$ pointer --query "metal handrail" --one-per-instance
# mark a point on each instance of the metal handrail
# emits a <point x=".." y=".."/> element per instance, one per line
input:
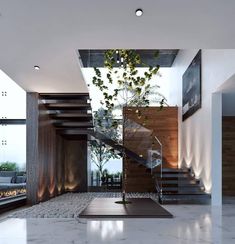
<point x="159" y="188"/>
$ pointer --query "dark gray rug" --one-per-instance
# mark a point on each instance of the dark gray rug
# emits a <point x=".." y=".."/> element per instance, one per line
<point x="137" y="208"/>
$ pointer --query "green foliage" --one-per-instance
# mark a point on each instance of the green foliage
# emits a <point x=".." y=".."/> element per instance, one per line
<point x="135" y="89"/>
<point x="100" y="152"/>
<point x="117" y="175"/>
<point x="8" y="166"/>
<point x="105" y="122"/>
<point x="105" y="173"/>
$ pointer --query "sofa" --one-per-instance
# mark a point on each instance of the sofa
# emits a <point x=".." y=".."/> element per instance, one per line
<point x="11" y="184"/>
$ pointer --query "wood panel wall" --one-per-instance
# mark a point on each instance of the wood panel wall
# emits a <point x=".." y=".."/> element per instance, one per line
<point x="55" y="165"/>
<point x="76" y="165"/>
<point x="164" y="124"/>
<point x="228" y="156"/>
<point x="138" y="177"/>
<point x="44" y="160"/>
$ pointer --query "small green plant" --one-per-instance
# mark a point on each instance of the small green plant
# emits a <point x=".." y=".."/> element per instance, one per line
<point x="8" y="166"/>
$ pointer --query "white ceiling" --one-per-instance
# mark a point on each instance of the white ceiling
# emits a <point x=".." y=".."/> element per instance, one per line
<point x="48" y="33"/>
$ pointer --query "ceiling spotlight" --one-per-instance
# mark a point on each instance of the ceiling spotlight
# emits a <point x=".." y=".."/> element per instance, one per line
<point x="36" y="67"/>
<point x="139" y="12"/>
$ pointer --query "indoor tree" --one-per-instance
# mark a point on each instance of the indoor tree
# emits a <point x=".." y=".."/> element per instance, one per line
<point x="123" y="85"/>
<point x="130" y="86"/>
<point x="100" y="152"/>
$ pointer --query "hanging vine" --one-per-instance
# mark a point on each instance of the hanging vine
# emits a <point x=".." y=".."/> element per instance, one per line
<point x="133" y="88"/>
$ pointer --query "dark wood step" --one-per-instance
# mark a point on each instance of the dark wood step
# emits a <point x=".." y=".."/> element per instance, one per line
<point x="73" y="124"/>
<point x="67" y="101"/>
<point x="64" y="96"/>
<point x="182" y="179"/>
<point x="74" y="120"/>
<point x="185" y="194"/>
<point x="188" y="200"/>
<point x="174" y="171"/>
<point x="68" y="106"/>
<point x="72" y="131"/>
<point x="173" y="198"/>
<point x="172" y="190"/>
<point x="181" y="182"/>
<point x="183" y="187"/>
<point x="72" y="117"/>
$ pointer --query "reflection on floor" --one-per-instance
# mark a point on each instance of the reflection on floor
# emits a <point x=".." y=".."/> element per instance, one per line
<point x="191" y="224"/>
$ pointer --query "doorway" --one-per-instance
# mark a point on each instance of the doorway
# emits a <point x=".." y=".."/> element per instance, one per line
<point x="228" y="146"/>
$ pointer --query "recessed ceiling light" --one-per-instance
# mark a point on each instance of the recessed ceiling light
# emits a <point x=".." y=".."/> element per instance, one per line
<point x="139" y="12"/>
<point x="36" y="67"/>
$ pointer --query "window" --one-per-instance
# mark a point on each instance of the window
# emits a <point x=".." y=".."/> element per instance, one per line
<point x="12" y="139"/>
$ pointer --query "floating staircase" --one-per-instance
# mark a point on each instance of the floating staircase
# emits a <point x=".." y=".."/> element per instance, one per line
<point x="132" y="155"/>
<point x="180" y="186"/>
<point x="70" y="113"/>
<point x="176" y="185"/>
<point x="173" y="185"/>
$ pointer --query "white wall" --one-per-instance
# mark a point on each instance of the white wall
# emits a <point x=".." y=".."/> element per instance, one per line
<point x="195" y="134"/>
<point x="216" y="148"/>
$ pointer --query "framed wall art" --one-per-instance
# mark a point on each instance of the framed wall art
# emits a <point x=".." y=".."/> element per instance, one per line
<point x="192" y="88"/>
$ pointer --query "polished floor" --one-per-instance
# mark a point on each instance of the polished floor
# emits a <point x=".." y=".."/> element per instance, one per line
<point x="191" y="224"/>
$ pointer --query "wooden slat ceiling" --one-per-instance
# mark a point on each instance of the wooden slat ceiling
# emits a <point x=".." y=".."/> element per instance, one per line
<point x="95" y="58"/>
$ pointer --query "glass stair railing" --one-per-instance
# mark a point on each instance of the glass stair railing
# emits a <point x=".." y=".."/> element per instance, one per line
<point x="137" y="143"/>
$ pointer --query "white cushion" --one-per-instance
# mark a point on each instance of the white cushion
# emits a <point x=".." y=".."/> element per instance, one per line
<point x="5" y="179"/>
